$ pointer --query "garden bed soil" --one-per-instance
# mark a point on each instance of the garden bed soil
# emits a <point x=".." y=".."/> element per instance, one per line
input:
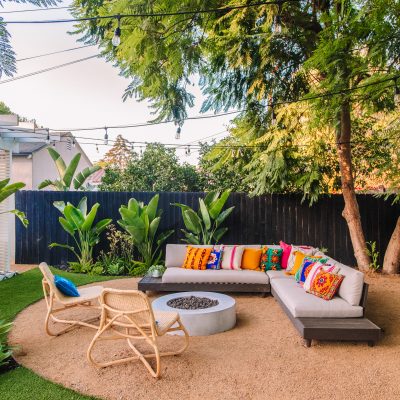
<point x="261" y="358"/>
<point x="9" y="366"/>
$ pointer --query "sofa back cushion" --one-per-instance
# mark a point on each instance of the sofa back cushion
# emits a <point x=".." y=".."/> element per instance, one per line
<point x="352" y="286"/>
<point x="175" y="254"/>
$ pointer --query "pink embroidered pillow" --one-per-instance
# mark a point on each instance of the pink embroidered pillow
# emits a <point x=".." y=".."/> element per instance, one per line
<point x="286" y="253"/>
<point x="232" y="257"/>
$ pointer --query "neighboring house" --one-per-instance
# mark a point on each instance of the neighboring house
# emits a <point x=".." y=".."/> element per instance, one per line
<point x="24" y="158"/>
<point x="33" y="164"/>
<point x="94" y="181"/>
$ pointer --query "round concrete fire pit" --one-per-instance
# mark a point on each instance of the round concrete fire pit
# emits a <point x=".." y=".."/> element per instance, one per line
<point x="202" y="313"/>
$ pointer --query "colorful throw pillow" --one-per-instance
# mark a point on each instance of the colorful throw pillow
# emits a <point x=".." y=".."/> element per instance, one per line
<point x="271" y="259"/>
<point x="286" y="249"/>
<point x="307" y="260"/>
<point x="196" y="258"/>
<point x="251" y="259"/>
<point x="325" y="285"/>
<point x="298" y="260"/>
<point x="65" y="286"/>
<point x="315" y="269"/>
<point x="232" y="257"/>
<point x="307" y="250"/>
<point x="214" y="262"/>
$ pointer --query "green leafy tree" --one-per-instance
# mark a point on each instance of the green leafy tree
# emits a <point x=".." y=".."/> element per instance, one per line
<point x="4" y="109"/>
<point x="253" y="57"/>
<point x="142" y="222"/>
<point x="7" y="54"/>
<point x="78" y="223"/>
<point x="204" y="227"/>
<point x="67" y="173"/>
<point x="157" y="169"/>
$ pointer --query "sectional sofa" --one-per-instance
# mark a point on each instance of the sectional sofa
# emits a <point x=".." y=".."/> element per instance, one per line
<point x="342" y="318"/>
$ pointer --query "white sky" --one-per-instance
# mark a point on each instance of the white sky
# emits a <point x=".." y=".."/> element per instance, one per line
<point x="85" y="94"/>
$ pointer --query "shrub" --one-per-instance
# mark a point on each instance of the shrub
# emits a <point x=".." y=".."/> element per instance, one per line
<point x="5" y="349"/>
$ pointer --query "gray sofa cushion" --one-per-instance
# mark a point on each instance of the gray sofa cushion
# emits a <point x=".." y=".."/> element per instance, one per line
<point x="352" y="285"/>
<point x="279" y="275"/>
<point x="303" y="304"/>
<point x="182" y="275"/>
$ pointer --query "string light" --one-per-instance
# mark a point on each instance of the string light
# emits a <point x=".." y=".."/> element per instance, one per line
<point x="97" y="148"/>
<point x="277" y="27"/>
<point x="73" y="142"/>
<point x="273" y="119"/>
<point x="116" y="40"/>
<point x="187" y="151"/>
<point x="106" y="136"/>
<point x="178" y="133"/>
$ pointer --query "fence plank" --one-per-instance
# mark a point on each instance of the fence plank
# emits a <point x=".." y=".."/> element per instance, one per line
<point x="256" y="220"/>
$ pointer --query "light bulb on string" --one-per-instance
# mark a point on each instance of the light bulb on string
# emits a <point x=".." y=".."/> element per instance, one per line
<point x="187" y="151"/>
<point x="178" y="133"/>
<point x="73" y="142"/>
<point x="97" y="148"/>
<point x="277" y="27"/>
<point x="116" y="40"/>
<point x="48" y="137"/>
<point x="106" y="136"/>
<point x="54" y="144"/>
<point x="273" y="118"/>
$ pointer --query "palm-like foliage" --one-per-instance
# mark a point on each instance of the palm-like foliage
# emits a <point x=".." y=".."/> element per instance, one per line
<point x="67" y="173"/>
<point x="141" y="222"/>
<point x="7" y="54"/>
<point x="78" y="223"/>
<point x="7" y="190"/>
<point x="204" y="227"/>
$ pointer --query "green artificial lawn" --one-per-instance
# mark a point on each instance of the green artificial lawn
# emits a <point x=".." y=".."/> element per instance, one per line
<point x="15" y="295"/>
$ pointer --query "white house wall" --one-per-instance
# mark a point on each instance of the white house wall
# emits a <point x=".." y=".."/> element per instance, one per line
<point x="22" y="170"/>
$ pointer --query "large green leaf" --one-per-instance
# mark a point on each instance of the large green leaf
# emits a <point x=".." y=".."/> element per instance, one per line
<point x="67" y="226"/>
<point x="223" y="216"/>
<point x="162" y="237"/>
<point x="219" y="233"/>
<point x="190" y="237"/>
<point x="152" y="207"/>
<point x="74" y="216"/>
<point x="218" y="205"/>
<point x="58" y="160"/>
<point x="133" y="206"/>
<point x="9" y="190"/>
<point x="210" y="198"/>
<point x="21" y="216"/>
<point x="60" y="205"/>
<point x="64" y="246"/>
<point x="101" y="225"/>
<point x="83" y="206"/>
<point x="137" y="232"/>
<point x="192" y="221"/>
<point x="81" y="177"/>
<point x="154" y="226"/>
<point x="88" y="222"/>
<point x="128" y="216"/>
<point x="4" y="183"/>
<point x="204" y="214"/>
<point x="70" y="171"/>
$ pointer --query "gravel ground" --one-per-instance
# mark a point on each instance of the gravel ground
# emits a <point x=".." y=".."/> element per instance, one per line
<point x="261" y="358"/>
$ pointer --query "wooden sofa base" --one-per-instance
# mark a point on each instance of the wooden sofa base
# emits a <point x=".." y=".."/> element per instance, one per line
<point x="338" y="329"/>
<point x="149" y="283"/>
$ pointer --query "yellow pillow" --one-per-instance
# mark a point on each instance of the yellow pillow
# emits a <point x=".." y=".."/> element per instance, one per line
<point x="298" y="260"/>
<point x="196" y="258"/>
<point x="251" y="259"/>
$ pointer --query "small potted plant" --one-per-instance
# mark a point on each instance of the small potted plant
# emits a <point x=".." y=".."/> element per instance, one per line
<point x="156" y="271"/>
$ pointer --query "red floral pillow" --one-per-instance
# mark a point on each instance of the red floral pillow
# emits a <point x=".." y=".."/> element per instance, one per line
<point x="325" y="285"/>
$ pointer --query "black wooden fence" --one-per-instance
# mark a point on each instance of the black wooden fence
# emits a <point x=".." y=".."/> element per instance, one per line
<point x="255" y="220"/>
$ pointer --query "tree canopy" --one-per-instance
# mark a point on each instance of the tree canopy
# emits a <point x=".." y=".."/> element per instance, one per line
<point x="156" y="169"/>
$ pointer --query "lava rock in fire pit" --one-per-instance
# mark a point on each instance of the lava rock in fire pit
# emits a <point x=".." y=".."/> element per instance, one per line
<point x="192" y="303"/>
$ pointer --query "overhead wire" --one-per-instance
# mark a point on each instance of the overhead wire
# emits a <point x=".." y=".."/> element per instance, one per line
<point x="54" y="52"/>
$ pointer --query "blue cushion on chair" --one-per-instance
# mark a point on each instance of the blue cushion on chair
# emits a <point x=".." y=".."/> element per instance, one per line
<point x="65" y="286"/>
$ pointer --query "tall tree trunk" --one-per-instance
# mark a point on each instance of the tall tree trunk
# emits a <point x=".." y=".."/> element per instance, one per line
<point x="391" y="262"/>
<point x="351" y="211"/>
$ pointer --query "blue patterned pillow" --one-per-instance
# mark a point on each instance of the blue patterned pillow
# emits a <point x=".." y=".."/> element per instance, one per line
<point x="214" y="262"/>
<point x="65" y="286"/>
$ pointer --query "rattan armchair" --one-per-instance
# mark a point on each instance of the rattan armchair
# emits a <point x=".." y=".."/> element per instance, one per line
<point x="57" y="302"/>
<point x="127" y="314"/>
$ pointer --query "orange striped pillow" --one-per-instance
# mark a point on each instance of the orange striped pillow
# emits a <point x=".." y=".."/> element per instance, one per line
<point x="196" y="258"/>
